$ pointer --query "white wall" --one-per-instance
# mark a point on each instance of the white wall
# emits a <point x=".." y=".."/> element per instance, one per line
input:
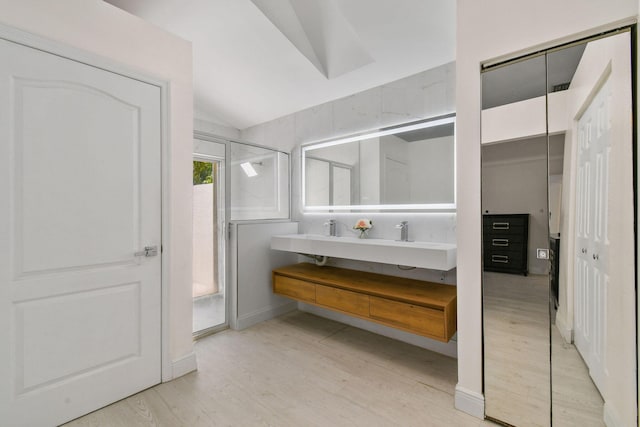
<point x="252" y="261"/>
<point x="204" y="262"/>
<point x="101" y="29"/>
<point x="488" y="30"/>
<point x="216" y="129"/>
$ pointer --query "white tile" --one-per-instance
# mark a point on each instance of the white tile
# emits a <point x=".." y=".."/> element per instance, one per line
<point x="315" y="123"/>
<point x="357" y="113"/>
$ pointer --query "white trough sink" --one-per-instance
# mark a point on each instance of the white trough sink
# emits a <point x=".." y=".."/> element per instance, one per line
<point x="435" y="256"/>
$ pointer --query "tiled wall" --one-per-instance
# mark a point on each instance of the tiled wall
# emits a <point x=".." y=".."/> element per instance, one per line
<point x="426" y="94"/>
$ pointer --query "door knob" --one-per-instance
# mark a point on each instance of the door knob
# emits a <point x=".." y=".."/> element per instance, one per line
<point x="596" y="257"/>
<point x="148" y="251"/>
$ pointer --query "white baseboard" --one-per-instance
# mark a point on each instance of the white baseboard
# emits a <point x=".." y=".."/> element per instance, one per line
<point x="184" y="365"/>
<point x="565" y="331"/>
<point x="611" y="418"/>
<point x="449" y="349"/>
<point x="469" y="402"/>
<point x="251" y="319"/>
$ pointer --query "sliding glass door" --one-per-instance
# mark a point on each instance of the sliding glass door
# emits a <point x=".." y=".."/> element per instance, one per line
<point x="209" y="288"/>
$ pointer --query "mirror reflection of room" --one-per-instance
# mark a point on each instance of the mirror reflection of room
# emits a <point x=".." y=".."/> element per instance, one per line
<point x="557" y="156"/>
<point x="412" y="164"/>
<point x="514" y="207"/>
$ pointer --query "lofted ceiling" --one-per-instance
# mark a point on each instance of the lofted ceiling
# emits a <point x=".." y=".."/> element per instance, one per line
<point x="257" y="60"/>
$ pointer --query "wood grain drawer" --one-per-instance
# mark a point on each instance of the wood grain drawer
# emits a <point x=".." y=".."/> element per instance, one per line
<point x="423" y="320"/>
<point x="340" y="299"/>
<point x="420" y="307"/>
<point x="294" y="288"/>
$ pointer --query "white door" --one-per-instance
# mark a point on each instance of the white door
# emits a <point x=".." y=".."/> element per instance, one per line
<point x="80" y="191"/>
<point x="395" y="183"/>
<point x="592" y="240"/>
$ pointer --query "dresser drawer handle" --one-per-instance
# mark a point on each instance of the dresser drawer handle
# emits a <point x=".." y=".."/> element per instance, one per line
<point x="500" y="225"/>
<point x="500" y="242"/>
<point x="500" y="258"/>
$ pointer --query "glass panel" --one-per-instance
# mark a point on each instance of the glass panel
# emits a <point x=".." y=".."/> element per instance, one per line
<point x="259" y="183"/>
<point x="208" y="275"/>
<point x="515" y="224"/>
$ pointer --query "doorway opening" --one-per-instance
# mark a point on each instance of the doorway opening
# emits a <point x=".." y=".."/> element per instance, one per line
<point x="209" y="290"/>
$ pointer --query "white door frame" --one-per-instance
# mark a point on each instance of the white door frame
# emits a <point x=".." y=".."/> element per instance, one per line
<point x="60" y="49"/>
<point x="226" y="177"/>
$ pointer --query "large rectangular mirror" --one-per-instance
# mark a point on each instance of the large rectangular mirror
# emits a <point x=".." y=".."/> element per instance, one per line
<point x="411" y="166"/>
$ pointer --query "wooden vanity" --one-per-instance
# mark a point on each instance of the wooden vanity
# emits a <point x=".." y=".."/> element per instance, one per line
<point x="416" y="306"/>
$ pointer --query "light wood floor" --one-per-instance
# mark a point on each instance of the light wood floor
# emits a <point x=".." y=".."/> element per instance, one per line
<point x="517" y="357"/>
<point x="299" y="370"/>
<point x="517" y="349"/>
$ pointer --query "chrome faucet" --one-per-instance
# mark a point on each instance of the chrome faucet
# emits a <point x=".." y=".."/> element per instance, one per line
<point x="404" y="231"/>
<point x="332" y="227"/>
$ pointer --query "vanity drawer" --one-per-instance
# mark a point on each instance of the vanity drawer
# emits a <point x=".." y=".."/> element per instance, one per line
<point x="423" y="320"/>
<point x="294" y="288"/>
<point x="340" y="299"/>
<point x="416" y="306"/>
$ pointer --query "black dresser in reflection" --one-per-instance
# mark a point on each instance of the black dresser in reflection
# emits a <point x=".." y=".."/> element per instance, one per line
<point x="505" y="242"/>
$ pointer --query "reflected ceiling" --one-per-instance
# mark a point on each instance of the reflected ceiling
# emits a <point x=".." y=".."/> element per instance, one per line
<point x="526" y="79"/>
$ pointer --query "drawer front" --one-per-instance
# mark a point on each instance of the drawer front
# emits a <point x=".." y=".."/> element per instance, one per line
<point x="506" y="222"/>
<point x="507" y="260"/>
<point x="503" y="243"/>
<point x="508" y="231"/>
<point x="422" y="320"/>
<point x="294" y="288"/>
<point x="350" y="302"/>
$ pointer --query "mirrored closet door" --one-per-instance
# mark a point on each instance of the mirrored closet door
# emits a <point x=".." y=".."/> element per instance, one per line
<point x="558" y="237"/>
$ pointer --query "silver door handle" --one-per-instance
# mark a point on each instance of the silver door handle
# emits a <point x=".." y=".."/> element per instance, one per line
<point x="500" y="242"/>
<point x="148" y="251"/>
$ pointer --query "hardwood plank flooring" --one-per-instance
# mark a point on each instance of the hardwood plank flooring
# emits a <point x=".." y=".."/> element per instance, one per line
<point x="517" y="353"/>
<point x="517" y="349"/>
<point x="299" y="370"/>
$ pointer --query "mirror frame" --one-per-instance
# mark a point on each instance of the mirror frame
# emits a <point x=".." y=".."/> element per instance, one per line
<point x="404" y="127"/>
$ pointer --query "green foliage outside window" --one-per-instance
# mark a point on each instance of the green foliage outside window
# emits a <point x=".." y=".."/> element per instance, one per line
<point x="202" y="173"/>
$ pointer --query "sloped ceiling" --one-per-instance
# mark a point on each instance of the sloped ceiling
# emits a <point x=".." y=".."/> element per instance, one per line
<point x="257" y="60"/>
